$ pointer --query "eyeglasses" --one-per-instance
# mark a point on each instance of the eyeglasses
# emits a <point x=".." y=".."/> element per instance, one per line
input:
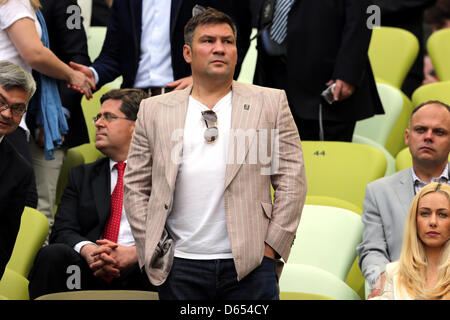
<point x="211" y="133"/>
<point x="108" y="117"/>
<point x="17" y="110"/>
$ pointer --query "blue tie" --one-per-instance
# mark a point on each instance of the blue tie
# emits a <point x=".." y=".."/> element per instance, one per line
<point x="278" y="31"/>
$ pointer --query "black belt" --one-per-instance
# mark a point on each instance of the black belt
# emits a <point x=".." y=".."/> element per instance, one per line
<point x="156" y="91"/>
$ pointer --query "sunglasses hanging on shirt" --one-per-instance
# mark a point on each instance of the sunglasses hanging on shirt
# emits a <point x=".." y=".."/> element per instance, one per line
<point x="212" y="132"/>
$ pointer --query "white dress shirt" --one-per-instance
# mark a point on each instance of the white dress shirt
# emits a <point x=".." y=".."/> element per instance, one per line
<point x="155" y="61"/>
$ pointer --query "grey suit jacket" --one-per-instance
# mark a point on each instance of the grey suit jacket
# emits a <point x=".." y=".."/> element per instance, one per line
<point x="252" y="220"/>
<point x="386" y="206"/>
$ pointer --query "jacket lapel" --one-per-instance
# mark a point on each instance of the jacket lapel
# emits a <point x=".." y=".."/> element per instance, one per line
<point x="101" y="186"/>
<point x="172" y="131"/>
<point x="405" y="190"/>
<point x="5" y="154"/>
<point x="245" y="114"/>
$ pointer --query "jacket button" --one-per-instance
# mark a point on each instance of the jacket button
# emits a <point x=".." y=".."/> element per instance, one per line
<point x="166" y="206"/>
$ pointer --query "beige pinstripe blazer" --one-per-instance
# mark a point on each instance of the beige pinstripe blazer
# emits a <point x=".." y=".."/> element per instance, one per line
<point x="251" y="218"/>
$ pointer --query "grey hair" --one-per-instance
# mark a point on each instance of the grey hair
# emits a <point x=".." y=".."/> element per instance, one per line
<point x="13" y="76"/>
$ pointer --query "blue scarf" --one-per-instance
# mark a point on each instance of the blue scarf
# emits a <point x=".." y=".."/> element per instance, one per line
<point x="47" y="104"/>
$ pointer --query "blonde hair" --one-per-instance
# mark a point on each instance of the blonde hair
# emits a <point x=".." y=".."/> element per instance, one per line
<point x="413" y="261"/>
<point x="34" y="3"/>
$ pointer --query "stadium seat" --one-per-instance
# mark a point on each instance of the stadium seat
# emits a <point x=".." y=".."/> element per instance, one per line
<point x="341" y="169"/>
<point x="327" y="238"/>
<point x="248" y="65"/>
<point x="392" y="52"/>
<point x="14" y="286"/>
<point x="433" y="91"/>
<point x="101" y="295"/>
<point x="308" y="279"/>
<point x="333" y="202"/>
<point x="73" y="158"/>
<point x="438" y="46"/>
<point x="379" y="127"/>
<point x="396" y="140"/>
<point x="33" y="231"/>
<point x="390" y="167"/>
<point x="90" y="109"/>
<point x="289" y="295"/>
<point x="403" y="160"/>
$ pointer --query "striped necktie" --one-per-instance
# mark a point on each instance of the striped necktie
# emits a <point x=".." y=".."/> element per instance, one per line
<point x="278" y="31"/>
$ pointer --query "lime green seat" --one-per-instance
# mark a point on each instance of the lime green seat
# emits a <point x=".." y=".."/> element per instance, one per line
<point x="433" y="91"/>
<point x="327" y="238"/>
<point x="290" y="295"/>
<point x="90" y="109"/>
<point x="438" y="46"/>
<point x="89" y="152"/>
<point x="248" y="65"/>
<point x="73" y="158"/>
<point x="378" y="127"/>
<point x="390" y="167"/>
<point x="13" y="286"/>
<point x="341" y="169"/>
<point x="312" y="280"/>
<point x="101" y="295"/>
<point x="403" y="160"/>
<point x="95" y="37"/>
<point x="392" y="52"/>
<point x="333" y="202"/>
<point x="396" y="140"/>
<point x="33" y="231"/>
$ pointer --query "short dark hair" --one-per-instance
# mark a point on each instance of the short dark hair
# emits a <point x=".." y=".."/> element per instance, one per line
<point x="208" y="16"/>
<point x="131" y="99"/>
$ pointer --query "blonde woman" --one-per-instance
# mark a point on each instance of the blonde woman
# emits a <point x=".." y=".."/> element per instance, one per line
<point x="423" y="270"/>
<point x="20" y="43"/>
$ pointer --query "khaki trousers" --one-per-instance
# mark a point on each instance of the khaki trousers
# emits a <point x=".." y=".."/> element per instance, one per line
<point x="47" y="174"/>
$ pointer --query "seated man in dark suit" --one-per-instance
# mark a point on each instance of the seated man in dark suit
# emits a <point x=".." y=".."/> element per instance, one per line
<point x="91" y="245"/>
<point x="16" y="88"/>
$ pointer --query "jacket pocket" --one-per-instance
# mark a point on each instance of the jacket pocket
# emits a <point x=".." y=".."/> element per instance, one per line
<point x="267" y="208"/>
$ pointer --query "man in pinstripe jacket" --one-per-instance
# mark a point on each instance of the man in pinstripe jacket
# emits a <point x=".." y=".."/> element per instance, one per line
<point x="197" y="182"/>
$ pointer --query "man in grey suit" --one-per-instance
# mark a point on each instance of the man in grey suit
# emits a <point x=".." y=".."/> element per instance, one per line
<point x="387" y="200"/>
<point x="190" y="173"/>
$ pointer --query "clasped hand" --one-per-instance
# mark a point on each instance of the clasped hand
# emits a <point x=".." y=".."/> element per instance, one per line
<point x="108" y="259"/>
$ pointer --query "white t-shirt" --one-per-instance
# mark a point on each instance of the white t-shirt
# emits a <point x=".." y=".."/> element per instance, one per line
<point x="10" y="12"/>
<point x="197" y="220"/>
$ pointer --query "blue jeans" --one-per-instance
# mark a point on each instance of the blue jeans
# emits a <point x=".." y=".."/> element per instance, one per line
<point x="217" y="280"/>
